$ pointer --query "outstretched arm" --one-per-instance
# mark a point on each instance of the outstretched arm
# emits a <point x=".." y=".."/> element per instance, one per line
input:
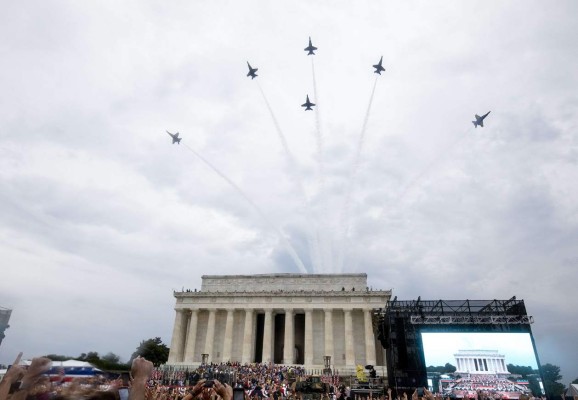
<point x="12" y="375"/>
<point x="141" y="371"/>
<point x="31" y="376"/>
<point x="223" y="390"/>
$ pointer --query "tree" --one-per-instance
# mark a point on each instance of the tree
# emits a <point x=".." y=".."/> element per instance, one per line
<point x="108" y="362"/>
<point x="445" y="369"/>
<point x="551" y="374"/>
<point x="90" y="357"/>
<point x="57" y="357"/>
<point x="153" y="350"/>
<point x="449" y="368"/>
<point x="521" y="370"/>
<point x="111" y="358"/>
<point x="534" y="385"/>
<point x="575" y="381"/>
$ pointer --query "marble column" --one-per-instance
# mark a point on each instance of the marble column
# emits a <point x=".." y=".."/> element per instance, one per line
<point x="289" y="342"/>
<point x="329" y="334"/>
<point x="210" y="337"/>
<point x="369" y="338"/>
<point x="228" y="344"/>
<point x="192" y="337"/>
<point x="268" y="337"/>
<point x="178" y="340"/>
<point x="349" y="349"/>
<point x="248" y="337"/>
<point x="308" y="337"/>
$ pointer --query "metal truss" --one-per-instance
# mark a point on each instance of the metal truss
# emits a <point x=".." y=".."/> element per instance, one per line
<point x="471" y="319"/>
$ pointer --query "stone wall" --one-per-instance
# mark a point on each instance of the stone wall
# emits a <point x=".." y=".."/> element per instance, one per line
<point x="285" y="282"/>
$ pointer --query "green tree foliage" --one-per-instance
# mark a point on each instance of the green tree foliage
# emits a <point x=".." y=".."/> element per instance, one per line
<point x="534" y="385"/>
<point x="528" y="373"/>
<point x="445" y="369"/>
<point x="109" y="362"/>
<point x="111" y="358"/>
<point x="91" y="357"/>
<point x="153" y="350"/>
<point x="521" y="370"/>
<point x="551" y="374"/>
<point x="57" y="357"/>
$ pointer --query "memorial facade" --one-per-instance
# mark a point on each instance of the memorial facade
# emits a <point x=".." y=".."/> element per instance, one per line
<point x="481" y="362"/>
<point x="291" y="319"/>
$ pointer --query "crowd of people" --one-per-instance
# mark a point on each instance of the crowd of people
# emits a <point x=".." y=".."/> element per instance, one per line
<point x="207" y="382"/>
<point x="486" y="387"/>
<point x="224" y="381"/>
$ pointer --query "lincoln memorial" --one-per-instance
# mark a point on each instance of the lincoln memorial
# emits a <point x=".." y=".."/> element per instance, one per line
<point x="291" y="319"/>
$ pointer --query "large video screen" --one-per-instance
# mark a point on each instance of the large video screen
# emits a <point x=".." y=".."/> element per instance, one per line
<point x="465" y="363"/>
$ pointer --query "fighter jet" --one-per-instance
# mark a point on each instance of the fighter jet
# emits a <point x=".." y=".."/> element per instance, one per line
<point x="378" y="67"/>
<point x="252" y="71"/>
<point x="308" y="104"/>
<point x="175" y="136"/>
<point x="310" y="48"/>
<point x="480" y="120"/>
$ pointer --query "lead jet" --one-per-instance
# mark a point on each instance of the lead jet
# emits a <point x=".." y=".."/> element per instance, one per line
<point x="480" y="120"/>
<point x="252" y="71"/>
<point x="310" y="48"/>
<point x="378" y="67"/>
<point x="308" y="104"/>
<point x="175" y="136"/>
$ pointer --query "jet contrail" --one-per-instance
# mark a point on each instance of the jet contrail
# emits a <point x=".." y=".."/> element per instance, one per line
<point x="319" y="136"/>
<point x="320" y="231"/>
<point x="357" y="160"/>
<point x="439" y="159"/>
<point x="311" y="239"/>
<point x="288" y="153"/>
<point x="296" y="259"/>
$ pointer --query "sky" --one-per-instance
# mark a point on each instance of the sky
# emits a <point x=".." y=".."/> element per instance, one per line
<point x="102" y="217"/>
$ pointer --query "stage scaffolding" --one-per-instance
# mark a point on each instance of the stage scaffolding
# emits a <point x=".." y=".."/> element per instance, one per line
<point x="400" y="323"/>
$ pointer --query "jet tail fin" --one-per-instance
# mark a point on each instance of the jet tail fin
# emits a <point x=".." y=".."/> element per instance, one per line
<point x="475" y="124"/>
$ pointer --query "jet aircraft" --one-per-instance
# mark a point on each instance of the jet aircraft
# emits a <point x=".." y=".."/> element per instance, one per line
<point x="175" y="136"/>
<point x="308" y="104"/>
<point x="310" y="48"/>
<point x="378" y="67"/>
<point x="480" y="120"/>
<point x="252" y="71"/>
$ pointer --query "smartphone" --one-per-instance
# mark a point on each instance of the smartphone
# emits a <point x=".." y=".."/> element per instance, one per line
<point x="419" y="392"/>
<point x="123" y="393"/>
<point x="209" y="383"/>
<point x="125" y="378"/>
<point x="238" y="394"/>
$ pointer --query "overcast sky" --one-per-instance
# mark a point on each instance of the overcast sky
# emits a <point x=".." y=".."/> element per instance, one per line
<point x="102" y="217"/>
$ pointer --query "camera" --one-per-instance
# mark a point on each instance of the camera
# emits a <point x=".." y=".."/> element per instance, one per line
<point x="209" y="383"/>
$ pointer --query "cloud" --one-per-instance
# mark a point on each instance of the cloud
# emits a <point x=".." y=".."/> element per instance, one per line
<point x="104" y="217"/>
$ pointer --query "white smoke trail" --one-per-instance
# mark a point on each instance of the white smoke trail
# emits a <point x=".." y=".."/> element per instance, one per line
<point x="345" y="213"/>
<point x="319" y="135"/>
<point x="311" y="236"/>
<point x="288" y="154"/>
<point x="296" y="259"/>
<point x="429" y="167"/>
<point x="324" y="258"/>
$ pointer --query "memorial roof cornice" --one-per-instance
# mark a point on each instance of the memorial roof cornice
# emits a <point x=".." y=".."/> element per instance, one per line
<point x="284" y="293"/>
